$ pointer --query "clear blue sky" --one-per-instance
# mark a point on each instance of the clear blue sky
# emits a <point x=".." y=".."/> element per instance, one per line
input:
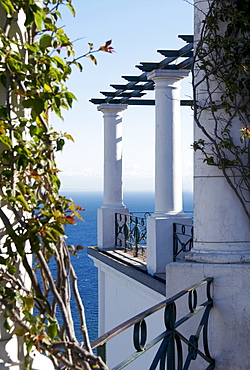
<point x="137" y="29"/>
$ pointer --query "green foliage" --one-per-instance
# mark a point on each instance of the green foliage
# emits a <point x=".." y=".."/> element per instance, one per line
<point x="222" y="71"/>
<point x="34" y="69"/>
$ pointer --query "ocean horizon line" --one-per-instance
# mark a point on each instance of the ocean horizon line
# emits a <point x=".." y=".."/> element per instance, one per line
<point x="67" y="190"/>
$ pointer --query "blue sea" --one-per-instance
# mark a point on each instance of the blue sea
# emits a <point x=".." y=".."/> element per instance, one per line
<point x="85" y="234"/>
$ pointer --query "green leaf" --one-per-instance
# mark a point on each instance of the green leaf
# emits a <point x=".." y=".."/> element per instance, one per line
<point x="56" y="181"/>
<point x="69" y="137"/>
<point x="79" y="66"/>
<point x="59" y="229"/>
<point x="71" y="8"/>
<point x="59" y="62"/>
<point x="60" y="31"/>
<point x="38" y="19"/>
<point x="52" y="330"/>
<point x="28" y="103"/>
<point x="9" y="8"/>
<point x="6" y="140"/>
<point x="3" y="261"/>
<point x="14" y="65"/>
<point x="77" y="214"/>
<point x="21" y="187"/>
<point x="3" y="112"/>
<point x="69" y="97"/>
<point x="29" y="18"/>
<point x="93" y="59"/>
<point x="59" y="144"/>
<point x="29" y="346"/>
<point x="23" y="121"/>
<point x="22" y="201"/>
<point x="47" y="88"/>
<point x="46" y="341"/>
<point x="38" y="105"/>
<point x="7" y="324"/>
<point x="28" y="303"/>
<point x="12" y="269"/>
<point x="33" y="47"/>
<point x="56" y="13"/>
<point x="33" y="130"/>
<point x="45" y="40"/>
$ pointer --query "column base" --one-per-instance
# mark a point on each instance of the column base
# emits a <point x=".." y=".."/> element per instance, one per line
<point x="215" y="256"/>
<point x="160" y="240"/>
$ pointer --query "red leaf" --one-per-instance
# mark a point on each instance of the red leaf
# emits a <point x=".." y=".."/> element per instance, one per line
<point x="65" y="44"/>
<point x="71" y="220"/>
<point x="107" y="48"/>
<point x="108" y="43"/>
<point x="79" y="208"/>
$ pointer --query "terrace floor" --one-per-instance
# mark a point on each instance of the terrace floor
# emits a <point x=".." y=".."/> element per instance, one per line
<point x="134" y="267"/>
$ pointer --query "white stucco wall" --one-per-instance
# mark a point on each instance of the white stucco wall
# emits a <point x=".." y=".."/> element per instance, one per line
<point x="229" y="324"/>
<point x="120" y="298"/>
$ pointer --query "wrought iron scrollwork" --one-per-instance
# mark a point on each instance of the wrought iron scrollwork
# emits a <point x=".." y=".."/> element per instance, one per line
<point x="182" y="240"/>
<point x="170" y="354"/>
<point x="140" y="335"/>
<point x="131" y="232"/>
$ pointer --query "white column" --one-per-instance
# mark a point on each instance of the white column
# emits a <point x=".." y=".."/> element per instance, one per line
<point x="168" y="168"/>
<point x="113" y="196"/>
<point x="221" y="227"/>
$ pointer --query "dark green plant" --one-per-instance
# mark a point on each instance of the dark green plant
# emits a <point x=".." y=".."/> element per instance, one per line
<point x="36" y="59"/>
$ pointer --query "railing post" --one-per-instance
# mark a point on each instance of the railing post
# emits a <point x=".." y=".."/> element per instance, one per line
<point x="101" y="351"/>
<point x="136" y="237"/>
<point x="170" y="318"/>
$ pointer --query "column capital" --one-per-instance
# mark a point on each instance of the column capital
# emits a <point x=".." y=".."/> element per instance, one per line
<point x="169" y="75"/>
<point x="111" y="108"/>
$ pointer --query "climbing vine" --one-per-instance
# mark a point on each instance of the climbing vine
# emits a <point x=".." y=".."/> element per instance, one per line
<point x="221" y="90"/>
<point x="36" y="60"/>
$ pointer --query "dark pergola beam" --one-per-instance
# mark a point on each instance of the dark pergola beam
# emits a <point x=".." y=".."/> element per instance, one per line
<point x="148" y="66"/>
<point x="175" y="53"/>
<point x="187" y="103"/>
<point x="183" y="103"/>
<point x="135" y="87"/>
<point x="187" y="38"/>
<point x="120" y="101"/>
<point x="169" y="53"/>
<point x="136" y="78"/>
<point x="123" y="94"/>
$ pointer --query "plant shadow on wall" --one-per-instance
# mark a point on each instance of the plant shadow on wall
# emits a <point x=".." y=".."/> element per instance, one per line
<point x="221" y="91"/>
<point x="36" y="58"/>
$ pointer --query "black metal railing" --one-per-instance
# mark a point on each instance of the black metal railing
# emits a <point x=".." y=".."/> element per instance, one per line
<point x="182" y="240"/>
<point x="131" y="232"/>
<point x="170" y="354"/>
<point x="131" y="235"/>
